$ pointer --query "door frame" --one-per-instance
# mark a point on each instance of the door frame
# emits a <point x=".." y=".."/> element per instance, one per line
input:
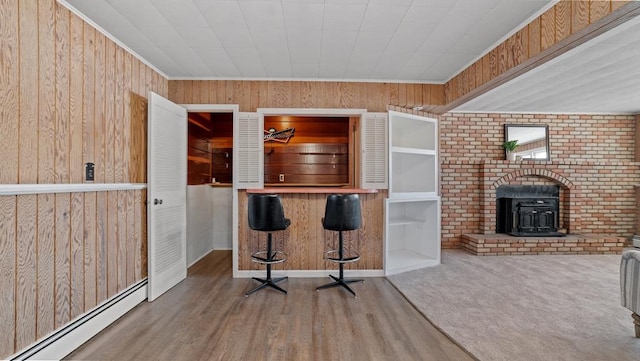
<point x="223" y="108"/>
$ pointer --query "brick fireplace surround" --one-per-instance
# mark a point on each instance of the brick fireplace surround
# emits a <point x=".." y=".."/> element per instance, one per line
<point x="592" y="160"/>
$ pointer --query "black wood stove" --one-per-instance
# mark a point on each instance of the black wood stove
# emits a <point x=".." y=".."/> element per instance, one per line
<point x="528" y="210"/>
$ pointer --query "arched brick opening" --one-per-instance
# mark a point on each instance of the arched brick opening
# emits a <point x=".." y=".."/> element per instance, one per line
<point x="569" y="196"/>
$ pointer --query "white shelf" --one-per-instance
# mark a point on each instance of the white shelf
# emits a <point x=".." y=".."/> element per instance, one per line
<point x="407" y="150"/>
<point x="400" y="221"/>
<point x="405" y="260"/>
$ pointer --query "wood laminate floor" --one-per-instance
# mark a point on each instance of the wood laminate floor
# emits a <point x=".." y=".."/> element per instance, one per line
<point x="207" y="317"/>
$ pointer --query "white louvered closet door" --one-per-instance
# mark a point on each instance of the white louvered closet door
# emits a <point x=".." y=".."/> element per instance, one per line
<point x="166" y="195"/>
<point x="374" y="151"/>
<point x="248" y="151"/>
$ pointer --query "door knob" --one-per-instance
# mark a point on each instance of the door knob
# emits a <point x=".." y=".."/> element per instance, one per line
<point x="157" y="201"/>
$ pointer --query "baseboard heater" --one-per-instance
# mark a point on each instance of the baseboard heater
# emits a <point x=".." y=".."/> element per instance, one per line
<point x="65" y="340"/>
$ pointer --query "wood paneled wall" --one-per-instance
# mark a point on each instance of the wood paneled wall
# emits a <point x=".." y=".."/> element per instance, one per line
<point x="68" y="95"/>
<point x="251" y="95"/>
<point x="558" y="23"/>
<point x="305" y="241"/>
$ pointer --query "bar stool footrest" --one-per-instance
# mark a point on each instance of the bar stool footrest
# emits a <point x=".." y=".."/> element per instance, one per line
<point x="333" y="256"/>
<point x="262" y="257"/>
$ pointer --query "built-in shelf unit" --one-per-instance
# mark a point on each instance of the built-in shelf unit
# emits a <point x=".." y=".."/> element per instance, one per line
<point x="412" y="224"/>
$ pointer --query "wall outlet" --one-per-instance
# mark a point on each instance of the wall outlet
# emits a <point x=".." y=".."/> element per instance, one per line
<point x="281" y="177"/>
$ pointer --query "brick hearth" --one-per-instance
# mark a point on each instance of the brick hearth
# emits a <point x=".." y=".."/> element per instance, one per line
<point x="504" y="244"/>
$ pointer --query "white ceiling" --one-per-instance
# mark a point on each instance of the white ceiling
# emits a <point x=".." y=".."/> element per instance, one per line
<point x="373" y="40"/>
<point x="600" y="76"/>
<point x="422" y="41"/>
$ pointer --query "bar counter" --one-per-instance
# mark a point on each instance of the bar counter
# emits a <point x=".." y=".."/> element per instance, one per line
<point x="311" y="190"/>
<point x="305" y="241"/>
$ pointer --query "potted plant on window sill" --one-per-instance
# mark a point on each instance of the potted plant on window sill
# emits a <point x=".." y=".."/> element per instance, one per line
<point x="510" y="147"/>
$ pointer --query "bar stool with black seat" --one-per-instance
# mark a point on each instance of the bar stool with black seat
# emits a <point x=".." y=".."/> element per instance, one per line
<point x="266" y="214"/>
<point x="342" y="213"/>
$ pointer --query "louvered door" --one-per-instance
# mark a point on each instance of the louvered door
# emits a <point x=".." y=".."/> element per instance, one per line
<point x="248" y="151"/>
<point x="374" y="151"/>
<point x="167" y="195"/>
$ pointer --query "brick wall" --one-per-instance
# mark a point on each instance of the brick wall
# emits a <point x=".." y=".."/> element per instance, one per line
<point x="594" y="153"/>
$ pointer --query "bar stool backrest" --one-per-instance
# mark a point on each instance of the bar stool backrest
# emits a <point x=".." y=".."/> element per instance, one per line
<point x="266" y="213"/>
<point x="342" y="212"/>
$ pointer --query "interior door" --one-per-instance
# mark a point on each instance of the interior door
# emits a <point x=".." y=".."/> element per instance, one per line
<point x="166" y="195"/>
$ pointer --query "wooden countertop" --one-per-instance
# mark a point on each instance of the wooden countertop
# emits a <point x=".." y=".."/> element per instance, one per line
<point x="314" y="190"/>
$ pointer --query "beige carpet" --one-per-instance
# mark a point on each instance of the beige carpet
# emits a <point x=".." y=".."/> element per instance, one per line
<point x="526" y="307"/>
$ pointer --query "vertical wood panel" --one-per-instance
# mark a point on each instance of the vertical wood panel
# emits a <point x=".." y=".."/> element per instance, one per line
<point x="112" y="243"/>
<point x="563" y="20"/>
<point x="143" y="233"/>
<point x="486" y="70"/>
<point x="101" y="247"/>
<point x="62" y="260"/>
<point x="437" y="94"/>
<point x="296" y="100"/>
<point x="409" y="96"/>
<point x="90" y="251"/>
<point x="502" y="58"/>
<point x="138" y="222"/>
<point x="125" y="129"/>
<point x="62" y="96"/>
<point x="148" y="80"/>
<point x="402" y="94"/>
<point x="75" y="100"/>
<point x="519" y="47"/>
<point x="88" y="101"/>
<point x="535" y="40"/>
<point x="598" y="10"/>
<point x="9" y="85"/>
<point x="478" y="73"/>
<point x="204" y="92"/>
<point x="119" y="117"/>
<point x="393" y="93"/>
<point x="121" y="228"/>
<point x="242" y="91"/>
<point x="26" y="271"/>
<point x="28" y="52"/>
<point x="213" y="91"/>
<point x="547" y="28"/>
<point x="99" y="108"/>
<point x="306" y="95"/>
<point x="46" y="91"/>
<point x="130" y="237"/>
<point x="45" y="264"/>
<point x="176" y="91"/>
<point x="77" y="254"/>
<point x="135" y="77"/>
<point x="7" y="272"/>
<point x="579" y="15"/>
<point x="110" y="108"/>
<point x="188" y="91"/>
<point x="138" y="130"/>
<point x="493" y="63"/>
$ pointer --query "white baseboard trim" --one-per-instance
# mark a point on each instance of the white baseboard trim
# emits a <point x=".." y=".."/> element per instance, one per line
<point x="311" y="273"/>
<point x="65" y="340"/>
<point x="199" y="258"/>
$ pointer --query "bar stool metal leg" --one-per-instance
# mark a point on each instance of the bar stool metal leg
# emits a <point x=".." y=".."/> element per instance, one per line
<point x="268" y="261"/>
<point x="340" y="280"/>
